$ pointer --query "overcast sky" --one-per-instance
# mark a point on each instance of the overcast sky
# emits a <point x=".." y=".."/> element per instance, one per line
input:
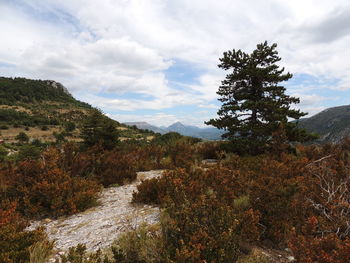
<point x="156" y="60"/>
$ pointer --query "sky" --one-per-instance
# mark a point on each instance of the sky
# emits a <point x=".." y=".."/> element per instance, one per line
<point x="156" y="60"/>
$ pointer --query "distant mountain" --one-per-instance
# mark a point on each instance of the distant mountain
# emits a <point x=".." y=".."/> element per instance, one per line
<point x="332" y="124"/>
<point x="209" y="133"/>
<point x="146" y="126"/>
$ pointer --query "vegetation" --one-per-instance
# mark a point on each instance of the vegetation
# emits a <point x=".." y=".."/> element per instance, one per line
<point x="300" y="201"/>
<point x="98" y="128"/>
<point x="22" y="137"/>
<point x="22" y="90"/>
<point x="254" y="104"/>
<point x="14" y="241"/>
<point x="274" y="198"/>
<point x="45" y="110"/>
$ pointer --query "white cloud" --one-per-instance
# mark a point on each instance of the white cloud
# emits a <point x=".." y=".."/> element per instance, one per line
<point x="120" y="46"/>
<point x="308" y="99"/>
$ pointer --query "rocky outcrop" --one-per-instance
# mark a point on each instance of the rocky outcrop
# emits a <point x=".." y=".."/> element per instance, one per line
<point x="98" y="227"/>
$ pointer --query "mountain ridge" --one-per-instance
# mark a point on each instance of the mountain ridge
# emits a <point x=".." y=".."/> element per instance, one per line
<point x="209" y="133"/>
<point x="332" y="124"/>
<point x="43" y="108"/>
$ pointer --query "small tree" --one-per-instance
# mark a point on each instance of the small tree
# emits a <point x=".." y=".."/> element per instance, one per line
<point x="254" y="104"/>
<point x="22" y="137"/>
<point x="97" y="128"/>
<point x="70" y="126"/>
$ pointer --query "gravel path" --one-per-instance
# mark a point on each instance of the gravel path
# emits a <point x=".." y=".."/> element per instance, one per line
<point x="99" y="226"/>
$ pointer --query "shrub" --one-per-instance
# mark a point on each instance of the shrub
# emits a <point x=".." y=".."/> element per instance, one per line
<point x="79" y="254"/>
<point x="255" y="256"/>
<point x="69" y="126"/>
<point x="44" y="128"/>
<point x="202" y="220"/>
<point x="181" y="155"/>
<point x="28" y="152"/>
<point x="43" y="189"/>
<point x="3" y="153"/>
<point x="309" y="247"/>
<point x="22" y="137"/>
<point x="106" y="167"/>
<point x="144" y="244"/>
<point x="41" y="251"/>
<point x="278" y="190"/>
<point x="208" y="150"/>
<point x="150" y="191"/>
<point x="14" y="241"/>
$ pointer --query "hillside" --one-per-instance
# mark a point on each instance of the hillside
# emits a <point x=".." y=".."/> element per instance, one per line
<point x="331" y="124"/>
<point x="42" y="108"/>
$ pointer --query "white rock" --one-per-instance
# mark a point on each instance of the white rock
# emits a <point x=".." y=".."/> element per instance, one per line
<point x="99" y="226"/>
<point x="291" y="259"/>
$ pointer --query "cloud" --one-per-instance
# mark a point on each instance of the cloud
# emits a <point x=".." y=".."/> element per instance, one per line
<point x="121" y="47"/>
<point x="308" y="99"/>
<point x="332" y="27"/>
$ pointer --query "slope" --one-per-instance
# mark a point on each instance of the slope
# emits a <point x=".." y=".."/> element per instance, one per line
<point x="332" y="124"/>
<point x="43" y="109"/>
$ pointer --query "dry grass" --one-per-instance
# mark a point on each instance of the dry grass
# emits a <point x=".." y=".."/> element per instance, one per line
<point x="16" y="108"/>
<point x="33" y="133"/>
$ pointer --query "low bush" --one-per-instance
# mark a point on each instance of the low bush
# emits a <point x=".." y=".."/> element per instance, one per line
<point x="208" y="150"/>
<point x="150" y="191"/>
<point x="255" y="256"/>
<point x="15" y="243"/>
<point x="144" y="244"/>
<point x="43" y="189"/>
<point x="311" y="247"/>
<point x="105" y="167"/>
<point x="78" y="254"/>
<point x="41" y="251"/>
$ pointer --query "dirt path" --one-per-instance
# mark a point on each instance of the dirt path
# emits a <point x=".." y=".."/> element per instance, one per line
<point x="99" y="226"/>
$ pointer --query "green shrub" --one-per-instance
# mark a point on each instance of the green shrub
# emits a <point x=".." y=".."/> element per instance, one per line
<point x="144" y="244"/>
<point x="22" y="137"/>
<point x="3" y="153"/>
<point x="79" y="254"/>
<point x="44" y="128"/>
<point x="69" y="126"/>
<point x="28" y="152"/>
<point x="41" y="251"/>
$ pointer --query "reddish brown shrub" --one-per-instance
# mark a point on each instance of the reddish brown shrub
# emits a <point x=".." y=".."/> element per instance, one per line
<point x="43" y="189"/>
<point x="150" y="191"/>
<point x="14" y="241"/>
<point x="208" y="150"/>
<point x="277" y="189"/>
<point x="309" y="247"/>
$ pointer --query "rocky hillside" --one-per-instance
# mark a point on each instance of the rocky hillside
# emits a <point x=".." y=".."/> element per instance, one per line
<point x="43" y="108"/>
<point x="332" y="124"/>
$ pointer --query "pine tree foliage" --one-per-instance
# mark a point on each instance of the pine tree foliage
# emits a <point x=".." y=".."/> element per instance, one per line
<point x="98" y="128"/>
<point x="254" y="104"/>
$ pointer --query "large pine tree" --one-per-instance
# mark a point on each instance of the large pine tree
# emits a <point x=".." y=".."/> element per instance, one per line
<point x="254" y="104"/>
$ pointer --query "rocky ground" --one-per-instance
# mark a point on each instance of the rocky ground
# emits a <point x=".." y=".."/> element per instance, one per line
<point x="99" y="226"/>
